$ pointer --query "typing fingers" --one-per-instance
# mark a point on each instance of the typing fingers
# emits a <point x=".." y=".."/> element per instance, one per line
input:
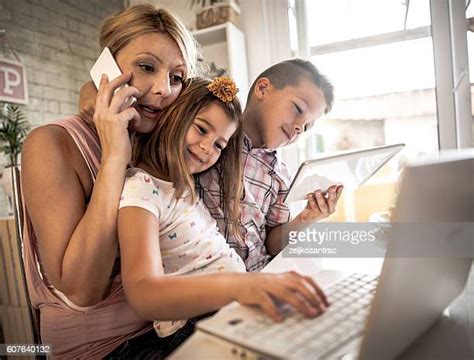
<point x="268" y="306"/>
<point x="288" y="293"/>
<point x="320" y="292"/>
<point x="310" y="290"/>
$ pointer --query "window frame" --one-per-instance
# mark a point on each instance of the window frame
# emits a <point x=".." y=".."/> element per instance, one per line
<point x="448" y="30"/>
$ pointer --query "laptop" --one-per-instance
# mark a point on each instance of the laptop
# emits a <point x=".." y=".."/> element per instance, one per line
<point x="371" y="317"/>
<point x="349" y="168"/>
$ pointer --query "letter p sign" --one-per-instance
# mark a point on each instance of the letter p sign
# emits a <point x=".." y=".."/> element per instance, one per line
<point x="13" y="85"/>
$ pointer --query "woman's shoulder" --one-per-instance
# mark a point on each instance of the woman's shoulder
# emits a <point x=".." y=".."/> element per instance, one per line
<point x="50" y="149"/>
<point x="44" y="139"/>
<point x="54" y="134"/>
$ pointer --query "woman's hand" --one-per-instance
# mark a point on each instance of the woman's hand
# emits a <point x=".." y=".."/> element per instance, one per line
<point x="111" y="119"/>
<point x="268" y="290"/>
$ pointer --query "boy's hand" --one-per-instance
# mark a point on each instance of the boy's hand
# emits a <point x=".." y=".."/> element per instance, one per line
<point x="321" y="205"/>
<point x="87" y="98"/>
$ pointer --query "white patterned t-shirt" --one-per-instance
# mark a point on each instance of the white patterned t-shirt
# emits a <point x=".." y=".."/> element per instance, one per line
<point x="190" y="242"/>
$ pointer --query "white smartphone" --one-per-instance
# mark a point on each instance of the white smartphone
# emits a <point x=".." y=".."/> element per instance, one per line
<point x="106" y="64"/>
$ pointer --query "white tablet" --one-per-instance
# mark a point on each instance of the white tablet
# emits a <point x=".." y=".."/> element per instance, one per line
<point x="350" y="169"/>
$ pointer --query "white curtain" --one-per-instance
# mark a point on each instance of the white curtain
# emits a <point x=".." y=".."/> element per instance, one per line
<point x="265" y="24"/>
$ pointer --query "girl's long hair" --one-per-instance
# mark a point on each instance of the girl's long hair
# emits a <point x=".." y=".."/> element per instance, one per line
<point x="162" y="149"/>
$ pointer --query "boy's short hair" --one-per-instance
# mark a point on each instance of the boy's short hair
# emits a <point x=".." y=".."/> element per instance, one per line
<point x="291" y="72"/>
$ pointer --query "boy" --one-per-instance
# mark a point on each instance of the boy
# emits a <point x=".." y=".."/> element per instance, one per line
<point x="283" y="102"/>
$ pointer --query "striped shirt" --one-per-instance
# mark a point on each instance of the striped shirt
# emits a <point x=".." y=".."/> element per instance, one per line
<point x="266" y="182"/>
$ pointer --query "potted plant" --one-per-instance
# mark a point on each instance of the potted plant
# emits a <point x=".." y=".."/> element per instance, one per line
<point x="215" y="12"/>
<point x="13" y="129"/>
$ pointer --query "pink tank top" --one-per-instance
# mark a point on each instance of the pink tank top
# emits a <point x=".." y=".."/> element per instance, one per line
<point x="72" y="331"/>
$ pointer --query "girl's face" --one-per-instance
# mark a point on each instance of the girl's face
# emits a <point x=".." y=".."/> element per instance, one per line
<point x="207" y="137"/>
<point x="158" y="70"/>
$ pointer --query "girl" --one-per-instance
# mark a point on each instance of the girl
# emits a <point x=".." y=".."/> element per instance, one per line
<point x="163" y="229"/>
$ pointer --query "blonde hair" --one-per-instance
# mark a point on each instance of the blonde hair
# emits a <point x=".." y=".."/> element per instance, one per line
<point x="118" y="30"/>
<point x="160" y="149"/>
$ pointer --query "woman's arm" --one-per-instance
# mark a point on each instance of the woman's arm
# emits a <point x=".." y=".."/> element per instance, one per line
<point x="77" y="240"/>
<point x="154" y="296"/>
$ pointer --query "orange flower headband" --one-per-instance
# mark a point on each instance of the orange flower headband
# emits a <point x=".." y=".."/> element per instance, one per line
<point x="223" y="88"/>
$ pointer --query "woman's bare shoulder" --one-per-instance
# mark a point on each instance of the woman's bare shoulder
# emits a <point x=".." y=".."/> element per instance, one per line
<point x="50" y="150"/>
<point x="45" y="138"/>
<point x="52" y="145"/>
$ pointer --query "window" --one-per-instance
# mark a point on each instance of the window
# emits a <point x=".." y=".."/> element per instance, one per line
<point x="340" y="20"/>
<point x="470" y="46"/>
<point x="379" y="55"/>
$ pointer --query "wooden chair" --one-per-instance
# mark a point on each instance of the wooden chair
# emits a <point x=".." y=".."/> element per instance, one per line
<point x="19" y="319"/>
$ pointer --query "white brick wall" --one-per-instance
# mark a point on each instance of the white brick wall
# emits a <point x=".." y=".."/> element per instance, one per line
<point x="58" y="41"/>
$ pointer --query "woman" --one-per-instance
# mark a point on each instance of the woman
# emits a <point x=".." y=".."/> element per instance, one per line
<point x="71" y="203"/>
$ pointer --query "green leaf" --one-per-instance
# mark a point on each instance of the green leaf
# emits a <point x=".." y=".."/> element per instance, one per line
<point x="13" y="129"/>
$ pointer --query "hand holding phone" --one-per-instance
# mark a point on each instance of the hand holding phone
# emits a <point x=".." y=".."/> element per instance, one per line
<point x="107" y="65"/>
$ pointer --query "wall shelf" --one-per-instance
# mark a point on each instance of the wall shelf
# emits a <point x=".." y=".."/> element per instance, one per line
<point x="225" y="46"/>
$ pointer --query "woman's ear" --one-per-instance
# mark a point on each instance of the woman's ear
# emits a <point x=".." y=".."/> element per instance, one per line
<point x="262" y="86"/>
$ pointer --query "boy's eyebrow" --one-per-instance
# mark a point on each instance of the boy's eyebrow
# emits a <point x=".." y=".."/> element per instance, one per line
<point x="303" y="100"/>
<point x="156" y="57"/>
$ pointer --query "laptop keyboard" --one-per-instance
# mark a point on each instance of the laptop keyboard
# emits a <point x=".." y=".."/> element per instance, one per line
<point x="302" y="338"/>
